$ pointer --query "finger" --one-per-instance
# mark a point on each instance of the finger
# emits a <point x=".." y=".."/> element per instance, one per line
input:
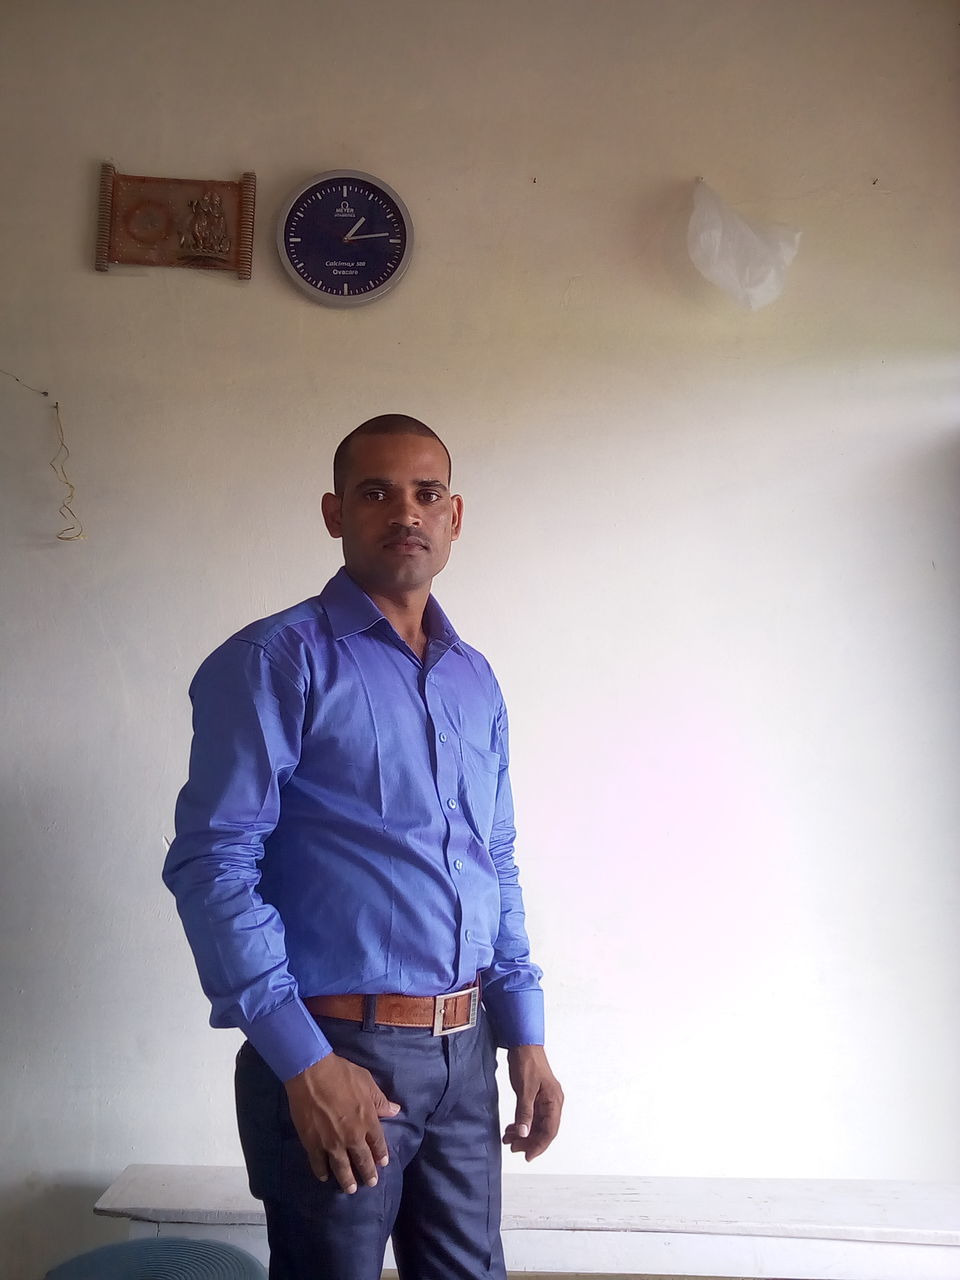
<point x="319" y="1165"/>
<point x="512" y="1139"/>
<point x="523" y="1117"/>
<point x="363" y="1165"/>
<point x="342" y="1170"/>
<point x="385" y="1109"/>
<point x="527" y="1091"/>
<point x="377" y="1143"/>
<point x="545" y="1127"/>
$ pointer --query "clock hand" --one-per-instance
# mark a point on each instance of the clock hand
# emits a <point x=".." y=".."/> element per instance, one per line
<point x="356" y="227"/>
<point x="372" y="235"/>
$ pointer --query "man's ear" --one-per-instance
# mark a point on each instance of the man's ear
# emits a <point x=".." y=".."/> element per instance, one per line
<point x="456" y="524"/>
<point x="332" y="507"/>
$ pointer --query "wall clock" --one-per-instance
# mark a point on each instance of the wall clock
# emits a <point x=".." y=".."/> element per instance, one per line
<point x="345" y="238"/>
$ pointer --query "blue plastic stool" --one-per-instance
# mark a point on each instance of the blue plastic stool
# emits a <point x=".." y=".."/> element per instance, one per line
<point x="169" y="1258"/>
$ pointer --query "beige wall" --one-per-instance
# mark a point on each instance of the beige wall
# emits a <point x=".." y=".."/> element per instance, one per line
<point x="713" y="555"/>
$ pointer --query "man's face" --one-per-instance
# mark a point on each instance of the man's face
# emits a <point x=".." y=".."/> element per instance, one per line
<point x="396" y="514"/>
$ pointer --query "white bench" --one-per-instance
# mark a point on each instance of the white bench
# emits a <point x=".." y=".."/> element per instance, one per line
<point x="718" y="1227"/>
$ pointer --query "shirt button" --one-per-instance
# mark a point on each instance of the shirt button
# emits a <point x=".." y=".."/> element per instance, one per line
<point x="467" y="936"/>
<point x="443" y="737"/>
<point x="451" y="804"/>
<point x="459" y="864"/>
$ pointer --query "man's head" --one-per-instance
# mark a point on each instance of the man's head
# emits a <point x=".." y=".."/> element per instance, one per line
<point x="386" y="424"/>
<point x="392" y="504"/>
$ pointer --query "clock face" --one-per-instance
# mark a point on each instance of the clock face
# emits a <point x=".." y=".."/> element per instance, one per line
<point x="345" y="238"/>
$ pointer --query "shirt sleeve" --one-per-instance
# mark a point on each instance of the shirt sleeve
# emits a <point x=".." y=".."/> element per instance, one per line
<point x="511" y="986"/>
<point x="247" y="726"/>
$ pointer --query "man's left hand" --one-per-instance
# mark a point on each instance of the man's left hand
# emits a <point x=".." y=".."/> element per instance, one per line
<point x="539" y="1101"/>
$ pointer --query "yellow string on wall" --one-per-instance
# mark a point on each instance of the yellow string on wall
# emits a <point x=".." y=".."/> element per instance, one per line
<point x="73" y="528"/>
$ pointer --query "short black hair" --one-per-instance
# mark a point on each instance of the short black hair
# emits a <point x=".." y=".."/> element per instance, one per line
<point x="385" y="424"/>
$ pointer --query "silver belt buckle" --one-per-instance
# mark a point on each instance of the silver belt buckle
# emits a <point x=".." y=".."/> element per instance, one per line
<point x="440" y="1004"/>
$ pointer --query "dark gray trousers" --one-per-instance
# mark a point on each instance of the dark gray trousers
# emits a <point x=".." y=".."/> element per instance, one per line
<point x="439" y="1198"/>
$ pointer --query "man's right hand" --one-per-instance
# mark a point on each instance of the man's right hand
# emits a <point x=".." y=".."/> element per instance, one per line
<point x="336" y="1109"/>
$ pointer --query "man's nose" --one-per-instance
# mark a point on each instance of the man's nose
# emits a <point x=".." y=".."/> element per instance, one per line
<point x="405" y="511"/>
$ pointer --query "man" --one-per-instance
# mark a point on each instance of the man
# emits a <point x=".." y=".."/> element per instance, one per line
<point x="344" y="871"/>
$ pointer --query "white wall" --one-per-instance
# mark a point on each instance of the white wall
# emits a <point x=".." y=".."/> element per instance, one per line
<point x="713" y="555"/>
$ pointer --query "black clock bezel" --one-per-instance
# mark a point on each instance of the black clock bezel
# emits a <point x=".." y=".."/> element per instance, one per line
<point x="334" y="299"/>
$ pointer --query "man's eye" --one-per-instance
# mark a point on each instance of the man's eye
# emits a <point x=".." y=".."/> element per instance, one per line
<point x="429" y="495"/>
<point x="374" y="495"/>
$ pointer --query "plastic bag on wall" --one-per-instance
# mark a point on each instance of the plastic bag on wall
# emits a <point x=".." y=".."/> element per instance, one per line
<point x="747" y="261"/>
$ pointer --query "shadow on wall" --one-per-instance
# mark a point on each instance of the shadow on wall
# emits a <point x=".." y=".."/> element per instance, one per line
<point x="45" y="1223"/>
<point x="661" y="243"/>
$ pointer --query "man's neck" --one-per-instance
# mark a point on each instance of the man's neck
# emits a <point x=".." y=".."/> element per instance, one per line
<point x="404" y="612"/>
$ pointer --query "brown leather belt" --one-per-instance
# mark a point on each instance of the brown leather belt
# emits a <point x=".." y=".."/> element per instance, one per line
<point x="455" y="1011"/>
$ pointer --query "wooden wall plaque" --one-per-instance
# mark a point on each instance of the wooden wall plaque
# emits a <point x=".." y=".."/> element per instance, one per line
<point x="176" y="222"/>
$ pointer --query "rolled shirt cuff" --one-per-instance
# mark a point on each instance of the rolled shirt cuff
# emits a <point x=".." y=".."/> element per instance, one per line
<point x="288" y="1039"/>
<point x="517" y="1016"/>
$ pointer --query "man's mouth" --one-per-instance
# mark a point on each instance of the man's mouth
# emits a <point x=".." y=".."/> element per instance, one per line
<point x="407" y="544"/>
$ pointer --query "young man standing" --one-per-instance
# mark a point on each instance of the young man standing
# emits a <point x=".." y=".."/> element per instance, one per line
<point x="344" y="871"/>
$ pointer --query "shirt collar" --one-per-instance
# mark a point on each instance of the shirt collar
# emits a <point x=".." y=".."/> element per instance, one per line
<point x="350" y="611"/>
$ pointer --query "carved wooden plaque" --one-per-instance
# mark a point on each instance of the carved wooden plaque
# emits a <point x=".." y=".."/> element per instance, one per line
<point x="176" y="222"/>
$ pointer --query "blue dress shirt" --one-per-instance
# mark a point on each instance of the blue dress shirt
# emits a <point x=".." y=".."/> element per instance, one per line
<point x="347" y="825"/>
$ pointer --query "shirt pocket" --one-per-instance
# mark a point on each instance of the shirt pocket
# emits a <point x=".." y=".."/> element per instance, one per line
<point x="481" y="777"/>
